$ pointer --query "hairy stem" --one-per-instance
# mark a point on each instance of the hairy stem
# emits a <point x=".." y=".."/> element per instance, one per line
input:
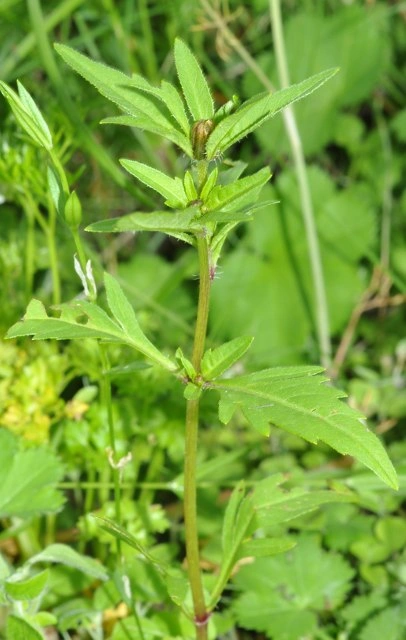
<point x="191" y="440"/>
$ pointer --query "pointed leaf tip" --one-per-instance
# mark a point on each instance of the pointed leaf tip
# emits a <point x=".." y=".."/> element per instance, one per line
<point x="194" y="85"/>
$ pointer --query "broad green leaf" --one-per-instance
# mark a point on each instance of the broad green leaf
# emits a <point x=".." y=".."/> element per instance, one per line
<point x="28" y="115"/>
<point x="256" y="111"/>
<point x="282" y="595"/>
<point x="62" y="554"/>
<point x="128" y="93"/>
<point x="28" y="480"/>
<point x="19" y="629"/>
<point x="124" y="314"/>
<point x="237" y="194"/>
<point x="195" y="88"/>
<point x="389" y="624"/>
<point x="293" y="399"/>
<point x="170" y="188"/>
<point x="29" y="588"/>
<point x="175" y="105"/>
<point x="146" y="124"/>
<point x="216" y="361"/>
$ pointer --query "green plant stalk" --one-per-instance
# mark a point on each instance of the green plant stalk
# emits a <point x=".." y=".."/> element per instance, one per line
<point x="191" y="440"/>
<point x="322" y="316"/>
<point x="29" y="252"/>
<point x="53" y="257"/>
<point x="105" y="387"/>
<point x="148" y="47"/>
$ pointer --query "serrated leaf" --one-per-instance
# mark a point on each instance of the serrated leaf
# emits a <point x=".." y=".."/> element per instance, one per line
<point x="217" y="361"/>
<point x="28" y="480"/>
<point x="62" y="554"/>
<point x="38" y="324"/>
<point x="29" y="588"/>
<point x="258" y="110"/>
<point x="146" y="124"/>
<point x="28" y="115"/>
<point x="116" y="86"/>
<point x="195" y="88"/>
<point x="170" y="188"/>
<point x="124" y="314"/>
<point x="19" y="629"/>
<point x="70" y="325"/>
<point x="239" y="193"/>
<point x="293" y="399"/>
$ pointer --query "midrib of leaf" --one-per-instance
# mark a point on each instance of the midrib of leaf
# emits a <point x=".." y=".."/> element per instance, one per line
<point x="357" y="436"/>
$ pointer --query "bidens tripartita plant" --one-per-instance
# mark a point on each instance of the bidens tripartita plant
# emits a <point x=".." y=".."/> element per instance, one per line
<point x="201" y="208"/>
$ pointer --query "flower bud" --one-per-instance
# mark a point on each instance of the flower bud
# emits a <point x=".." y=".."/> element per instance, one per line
<point x="73" y="211"/>
<point x="200" y="133"/>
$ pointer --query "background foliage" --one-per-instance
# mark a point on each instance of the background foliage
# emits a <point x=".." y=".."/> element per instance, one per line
<point x="346" y="577"/>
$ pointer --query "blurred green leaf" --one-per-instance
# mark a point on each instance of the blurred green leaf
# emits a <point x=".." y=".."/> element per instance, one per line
<point x="281" y="596"/>
<point x="19" y="629"/>
<point x="62" y="554"/>
<point x="28" y="588"/>
<point x="28" y="479"/>
<point x="28" y="115"/>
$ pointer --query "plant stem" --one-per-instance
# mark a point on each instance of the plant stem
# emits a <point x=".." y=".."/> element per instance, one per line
<point x="322" y="318"/>
<point x="106" y="396"/>
<point x="191" y="439"/>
